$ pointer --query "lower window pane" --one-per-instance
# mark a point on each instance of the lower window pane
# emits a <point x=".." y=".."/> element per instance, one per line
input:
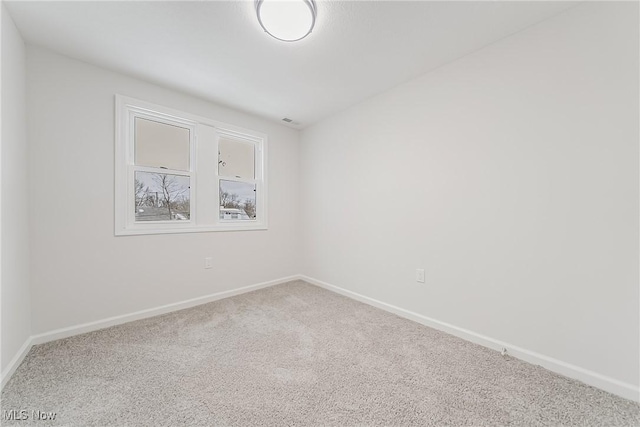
<point x="162" y="197"/>
<point x="237" y="200"/>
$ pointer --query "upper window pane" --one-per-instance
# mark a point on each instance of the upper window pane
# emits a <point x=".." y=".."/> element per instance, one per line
<point x="160" y="145"/>
<point x="236" y="158"/>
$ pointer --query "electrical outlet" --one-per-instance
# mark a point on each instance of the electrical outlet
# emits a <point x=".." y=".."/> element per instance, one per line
<point x="208" y="262"/>
<point x="420" y="275"/>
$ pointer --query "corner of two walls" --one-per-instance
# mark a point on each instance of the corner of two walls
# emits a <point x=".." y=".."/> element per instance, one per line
<point x="82" y="274"/>
<point x="63" y="270"/>
<point x="511" y="177"/>
<point x="15" y="293"/>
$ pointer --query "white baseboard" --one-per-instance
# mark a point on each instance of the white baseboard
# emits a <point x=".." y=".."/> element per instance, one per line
<point x="150" y="312"/>
<point x="620" y="388"/>
<point x="626" y="390"/>
<point x="15" y="362"/>
<point x="125" y="318"/>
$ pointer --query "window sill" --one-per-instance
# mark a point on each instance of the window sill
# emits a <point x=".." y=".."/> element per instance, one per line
<point x="198" y="229"/>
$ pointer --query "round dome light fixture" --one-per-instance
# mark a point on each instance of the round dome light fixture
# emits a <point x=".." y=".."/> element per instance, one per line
<point x="286" y="20"/>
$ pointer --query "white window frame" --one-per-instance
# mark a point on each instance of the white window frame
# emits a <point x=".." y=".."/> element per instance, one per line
<point x="203" y="171"/>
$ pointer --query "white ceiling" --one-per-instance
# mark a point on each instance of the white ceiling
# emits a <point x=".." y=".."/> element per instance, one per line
<point x="217" y="50"/>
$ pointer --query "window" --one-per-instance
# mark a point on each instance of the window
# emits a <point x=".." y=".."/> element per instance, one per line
<point x="176" y="172"/>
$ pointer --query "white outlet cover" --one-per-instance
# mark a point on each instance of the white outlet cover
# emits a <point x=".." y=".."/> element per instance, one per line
<point x="420" y="275"/>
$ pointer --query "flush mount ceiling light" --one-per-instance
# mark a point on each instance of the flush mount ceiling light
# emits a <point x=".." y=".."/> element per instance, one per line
<point x="286" y="20"/>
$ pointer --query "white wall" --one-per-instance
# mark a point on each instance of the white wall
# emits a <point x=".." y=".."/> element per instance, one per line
<point x="511" y="176"/>
<point x="80" y="271"/>
<point x="16" y="311"/>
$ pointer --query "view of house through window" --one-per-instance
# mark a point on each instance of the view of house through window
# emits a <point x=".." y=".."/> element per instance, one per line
<point x="237" y="200"/>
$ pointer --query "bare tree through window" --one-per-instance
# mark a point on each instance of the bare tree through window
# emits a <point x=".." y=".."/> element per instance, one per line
<point x="161" y="197"/>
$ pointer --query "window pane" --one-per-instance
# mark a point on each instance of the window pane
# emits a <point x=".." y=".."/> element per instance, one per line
<point x="162" y="197"/>
<point x="236" y="159"/>
<point x="160" y="145"/>
<point x="237" y="200"/>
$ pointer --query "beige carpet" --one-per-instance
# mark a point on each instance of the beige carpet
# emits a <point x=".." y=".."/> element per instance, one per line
<point x="294" y="354"/>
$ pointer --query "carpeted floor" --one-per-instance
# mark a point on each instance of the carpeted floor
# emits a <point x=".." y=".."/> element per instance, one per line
<point x="294" y="354"/>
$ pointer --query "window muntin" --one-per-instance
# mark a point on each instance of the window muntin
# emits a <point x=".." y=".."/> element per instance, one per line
<point x="189" y="156"/>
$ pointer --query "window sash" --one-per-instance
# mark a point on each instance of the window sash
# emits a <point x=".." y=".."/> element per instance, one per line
<point x="258" y="173"/>
<point x="132" y="168"/>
